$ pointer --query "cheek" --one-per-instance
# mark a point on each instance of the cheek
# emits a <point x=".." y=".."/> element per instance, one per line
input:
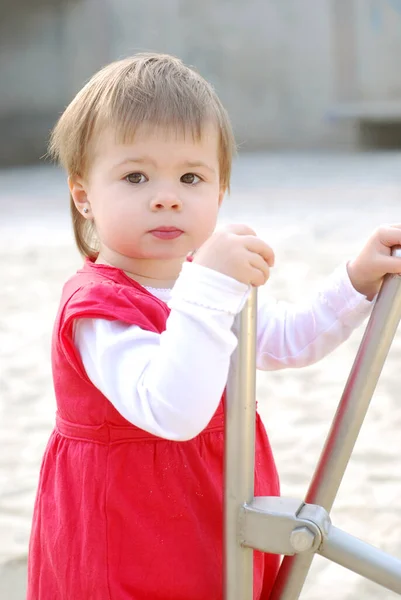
<point x="112" y="223"/>
<point x="115" y="208"/>
<point x="207" y="218"/>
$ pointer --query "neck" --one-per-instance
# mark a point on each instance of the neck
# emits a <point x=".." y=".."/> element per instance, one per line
<point x="148" y="272"/>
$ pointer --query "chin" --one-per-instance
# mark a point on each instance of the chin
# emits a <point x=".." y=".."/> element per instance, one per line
<point x="176" y="253"/>
<point x="169" y="256"/>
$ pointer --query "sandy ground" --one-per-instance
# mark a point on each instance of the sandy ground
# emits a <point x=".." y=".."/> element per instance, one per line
<point x="315" y="211"/>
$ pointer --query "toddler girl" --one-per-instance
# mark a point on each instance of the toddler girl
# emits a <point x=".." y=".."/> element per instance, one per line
<point x="130" y="497"/>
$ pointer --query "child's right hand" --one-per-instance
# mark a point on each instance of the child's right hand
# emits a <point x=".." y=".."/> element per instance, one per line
<point x="238" y="253"/>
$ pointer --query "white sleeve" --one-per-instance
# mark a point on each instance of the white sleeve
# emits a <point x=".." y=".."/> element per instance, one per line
<point x="169" y="384"/>
<point x="297" y="335"/>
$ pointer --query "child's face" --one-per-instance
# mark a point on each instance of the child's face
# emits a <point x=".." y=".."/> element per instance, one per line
<point x="155" y="198"/>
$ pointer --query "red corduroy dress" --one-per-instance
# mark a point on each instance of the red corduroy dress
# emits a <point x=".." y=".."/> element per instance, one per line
<point x="121" y="514"/>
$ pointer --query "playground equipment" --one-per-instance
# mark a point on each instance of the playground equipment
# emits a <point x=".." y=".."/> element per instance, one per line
<point x="299" y="529"/>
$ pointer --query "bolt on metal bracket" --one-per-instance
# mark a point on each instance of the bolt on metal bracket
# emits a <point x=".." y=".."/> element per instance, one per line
<point x="289" y="527"/>
<point x="282" y="525"/>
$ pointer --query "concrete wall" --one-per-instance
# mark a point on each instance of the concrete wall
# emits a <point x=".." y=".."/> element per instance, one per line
<point x="278" y="65"/>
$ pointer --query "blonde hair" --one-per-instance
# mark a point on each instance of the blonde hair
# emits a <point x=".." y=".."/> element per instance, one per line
<point x="146" y="89"/>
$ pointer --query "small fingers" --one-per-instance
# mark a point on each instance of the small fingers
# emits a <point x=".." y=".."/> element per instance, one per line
<point x="389" y="264"/>
<point x="390" y="235"/>
<point x="258" y="246"/>
<point x="261" y="271"/>
<point x="258" y="278"/>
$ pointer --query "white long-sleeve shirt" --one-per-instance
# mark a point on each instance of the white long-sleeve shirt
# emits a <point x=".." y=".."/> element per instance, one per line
<point x="170" y="384"/>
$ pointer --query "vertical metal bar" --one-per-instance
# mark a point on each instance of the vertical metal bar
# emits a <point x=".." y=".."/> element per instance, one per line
<point x="240" y="452"/>
<point x="347" y="422"/>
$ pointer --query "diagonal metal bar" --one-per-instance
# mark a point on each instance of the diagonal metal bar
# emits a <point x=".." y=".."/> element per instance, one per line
<point x="362" y="558"/>
<point x="347" y="423"/>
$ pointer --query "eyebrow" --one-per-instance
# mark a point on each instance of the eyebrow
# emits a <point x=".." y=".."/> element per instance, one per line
<point x="147" y="160"/>
<point x="196" y="163"/>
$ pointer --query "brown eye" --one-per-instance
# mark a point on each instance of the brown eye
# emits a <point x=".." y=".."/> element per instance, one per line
<point x="190" y="178"/>
<point x="135" y="178"/>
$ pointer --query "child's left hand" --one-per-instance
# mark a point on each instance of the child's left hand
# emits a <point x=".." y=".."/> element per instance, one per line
<point x="367" y="270"/>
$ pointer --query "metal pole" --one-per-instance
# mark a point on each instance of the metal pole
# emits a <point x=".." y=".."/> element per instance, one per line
<point x="240" y="417"/>
<point x="362" y="558"/>
<point x="347" y="423"/>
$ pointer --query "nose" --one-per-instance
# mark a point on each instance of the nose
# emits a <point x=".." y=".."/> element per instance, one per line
<point x="165" y="201"/>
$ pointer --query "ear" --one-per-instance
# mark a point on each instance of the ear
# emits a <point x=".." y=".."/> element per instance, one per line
<point x="77" y="187"/>
<point x="221" y="195"/>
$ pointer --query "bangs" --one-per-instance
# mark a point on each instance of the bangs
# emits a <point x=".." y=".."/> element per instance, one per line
<point x="157" y="92"/>
<point x="162" y="107"/>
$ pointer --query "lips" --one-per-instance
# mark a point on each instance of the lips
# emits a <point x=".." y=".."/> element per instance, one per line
<point x="166" y="233"/>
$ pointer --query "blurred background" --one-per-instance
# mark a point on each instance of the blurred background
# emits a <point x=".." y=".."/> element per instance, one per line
<point x="292" y="73"/>
<point x="313" y="88"/>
